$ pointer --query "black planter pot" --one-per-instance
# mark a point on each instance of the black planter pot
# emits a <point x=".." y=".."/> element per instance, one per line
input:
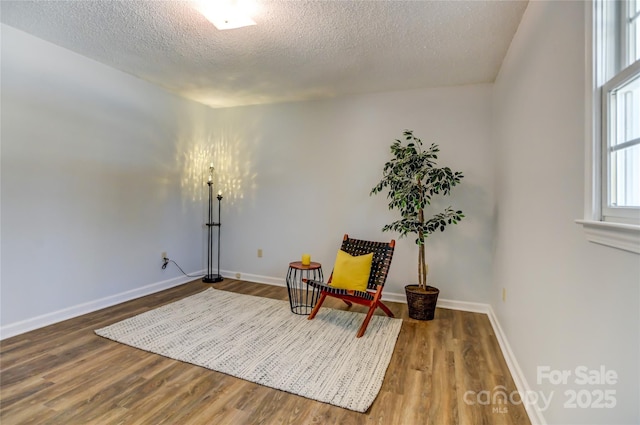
<point x="422" y="304"/>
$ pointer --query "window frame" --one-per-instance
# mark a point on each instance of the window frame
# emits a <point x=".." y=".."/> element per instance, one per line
<point x="601" y="224"/>
<point x="628" y="215"/>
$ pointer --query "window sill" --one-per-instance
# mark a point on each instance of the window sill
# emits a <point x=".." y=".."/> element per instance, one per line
<point x="616" y="235"/>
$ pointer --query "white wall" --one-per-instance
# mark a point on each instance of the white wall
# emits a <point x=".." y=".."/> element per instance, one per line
<point x="102" y="171"/>
<point x="95" y="184"/>
<point x="569" y="303"/>
<point x="313" y="165"/>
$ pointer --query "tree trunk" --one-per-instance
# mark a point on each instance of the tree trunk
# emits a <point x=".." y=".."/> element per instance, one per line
<point x="422" y="269"/>
<point x="420" y="259"/>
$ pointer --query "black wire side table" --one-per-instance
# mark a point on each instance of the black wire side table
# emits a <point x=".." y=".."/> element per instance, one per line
<point x="303" y="298"/>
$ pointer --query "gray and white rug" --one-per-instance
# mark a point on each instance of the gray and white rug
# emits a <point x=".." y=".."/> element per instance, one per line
<point x="259" y="340"/>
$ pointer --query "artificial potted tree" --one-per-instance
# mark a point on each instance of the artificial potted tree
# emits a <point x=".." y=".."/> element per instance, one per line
<point x="412" y="179"/>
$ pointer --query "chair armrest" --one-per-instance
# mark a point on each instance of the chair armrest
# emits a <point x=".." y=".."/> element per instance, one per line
<point x="315" y="283"/>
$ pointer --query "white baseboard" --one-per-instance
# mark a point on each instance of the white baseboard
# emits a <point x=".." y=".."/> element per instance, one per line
<point x="27" y="325"/>
<point x="533" y="410"/>
<point x="256" y="278"/>
<point x="394" y="297"/>
<point x="386" y="296"/>
<point x="464" y="306"/>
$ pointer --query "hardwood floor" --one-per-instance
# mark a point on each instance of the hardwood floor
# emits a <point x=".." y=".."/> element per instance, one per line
<point x="65" y="374"/>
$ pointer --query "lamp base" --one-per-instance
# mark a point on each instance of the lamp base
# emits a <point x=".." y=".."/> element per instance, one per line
<point x="212" y="278"/>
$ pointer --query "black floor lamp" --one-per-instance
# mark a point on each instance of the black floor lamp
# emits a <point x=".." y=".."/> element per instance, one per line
<point x="210" y="277"/>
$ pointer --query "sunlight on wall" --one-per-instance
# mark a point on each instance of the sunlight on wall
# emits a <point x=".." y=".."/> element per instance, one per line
<point x="232" y="175"/>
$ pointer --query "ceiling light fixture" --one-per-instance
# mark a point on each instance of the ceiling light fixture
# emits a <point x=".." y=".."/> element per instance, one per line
<point x="228" y="14"/>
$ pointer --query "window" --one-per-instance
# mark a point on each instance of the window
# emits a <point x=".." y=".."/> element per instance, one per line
<point x="619" y="79"/>
<point x="623" y="144"/>
<point x="612" y="212"/>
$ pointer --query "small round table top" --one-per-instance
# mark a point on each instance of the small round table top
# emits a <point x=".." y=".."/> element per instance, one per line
<point x="298" y="265"/>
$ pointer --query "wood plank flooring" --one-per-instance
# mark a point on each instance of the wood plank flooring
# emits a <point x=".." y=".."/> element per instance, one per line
<point x="65" y="374"/>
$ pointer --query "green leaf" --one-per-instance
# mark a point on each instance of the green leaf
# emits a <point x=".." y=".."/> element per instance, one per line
<point x="411" y="177"/>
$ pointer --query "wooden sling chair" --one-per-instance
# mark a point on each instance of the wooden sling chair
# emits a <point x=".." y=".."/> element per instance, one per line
<point x="382" y="254"/>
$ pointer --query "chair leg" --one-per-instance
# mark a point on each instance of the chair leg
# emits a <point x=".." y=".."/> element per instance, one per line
<point x="315" y="310"/>
<point x="385" y="309"/>
<point x="364" y="325"/>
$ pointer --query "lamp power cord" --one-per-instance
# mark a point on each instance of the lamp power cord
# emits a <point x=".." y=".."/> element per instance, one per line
<point x="166" y="261"/>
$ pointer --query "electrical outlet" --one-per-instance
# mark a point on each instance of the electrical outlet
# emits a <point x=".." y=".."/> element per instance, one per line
<point x="504" y="295"/>
<point x="164" y="255"/>
<point x="259" y="252"/>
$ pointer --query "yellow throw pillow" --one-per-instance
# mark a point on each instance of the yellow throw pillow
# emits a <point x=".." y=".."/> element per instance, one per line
<point x="351" y="273"/>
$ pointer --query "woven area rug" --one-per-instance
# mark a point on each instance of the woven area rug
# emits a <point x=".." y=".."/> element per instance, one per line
<point x="259" y="340"/>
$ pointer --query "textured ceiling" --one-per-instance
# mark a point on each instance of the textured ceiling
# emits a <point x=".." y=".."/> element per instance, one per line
<point x="298" y="50"/>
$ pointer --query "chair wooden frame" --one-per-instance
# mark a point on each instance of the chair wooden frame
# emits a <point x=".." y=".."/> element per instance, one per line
<point x="382" y="255"/>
